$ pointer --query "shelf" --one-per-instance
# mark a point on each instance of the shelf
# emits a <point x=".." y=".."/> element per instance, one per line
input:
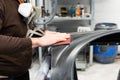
<point x="71" y="18"/>
<point x="64" y="22"/>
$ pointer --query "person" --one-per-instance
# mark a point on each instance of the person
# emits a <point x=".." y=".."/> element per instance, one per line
<point x="15" y="47"/>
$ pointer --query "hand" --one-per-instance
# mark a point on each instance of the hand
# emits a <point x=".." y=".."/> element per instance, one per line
<point x="49" y="38"/>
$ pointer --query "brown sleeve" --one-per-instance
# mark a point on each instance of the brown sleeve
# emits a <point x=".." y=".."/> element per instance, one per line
<point x="10" y="44"/>
<point x="14" y="44"/>
<point x="1" y="14"/>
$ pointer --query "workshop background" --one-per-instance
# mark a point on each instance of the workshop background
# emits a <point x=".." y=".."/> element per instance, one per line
<point x="104" y="11"/>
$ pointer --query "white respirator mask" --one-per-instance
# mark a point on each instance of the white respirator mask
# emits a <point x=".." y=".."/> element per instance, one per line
<point x="31" y="13"/>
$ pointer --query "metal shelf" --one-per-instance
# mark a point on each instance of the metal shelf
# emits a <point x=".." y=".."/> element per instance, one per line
<point x="71" y="23"/>
<point x="56" y="19"/>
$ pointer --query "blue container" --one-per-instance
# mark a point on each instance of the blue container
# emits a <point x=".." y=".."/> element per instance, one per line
<point x="105" y="54"/>
<point x="72" y="11"/>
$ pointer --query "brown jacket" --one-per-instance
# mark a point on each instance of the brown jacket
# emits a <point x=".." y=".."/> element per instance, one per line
<point x="15" y="49"/>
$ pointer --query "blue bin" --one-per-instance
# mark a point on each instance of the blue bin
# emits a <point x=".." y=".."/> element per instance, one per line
<point x="105" y="54"/>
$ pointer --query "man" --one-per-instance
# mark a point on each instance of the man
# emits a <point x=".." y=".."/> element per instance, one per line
<point x="15" y="48"/>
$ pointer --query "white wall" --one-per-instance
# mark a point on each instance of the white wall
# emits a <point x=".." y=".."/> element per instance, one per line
<point x="107" y="11"/>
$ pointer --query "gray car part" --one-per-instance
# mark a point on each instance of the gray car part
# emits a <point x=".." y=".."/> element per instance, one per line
<point x="63" y="56"/>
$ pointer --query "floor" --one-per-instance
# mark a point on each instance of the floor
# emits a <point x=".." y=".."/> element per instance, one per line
<point x="97" y="71"/>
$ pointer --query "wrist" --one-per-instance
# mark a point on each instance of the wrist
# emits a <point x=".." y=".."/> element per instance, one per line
<point x="34" y="42"/>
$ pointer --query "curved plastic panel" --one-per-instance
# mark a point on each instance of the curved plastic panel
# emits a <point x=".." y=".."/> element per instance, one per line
<point x="63" y="56"/>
